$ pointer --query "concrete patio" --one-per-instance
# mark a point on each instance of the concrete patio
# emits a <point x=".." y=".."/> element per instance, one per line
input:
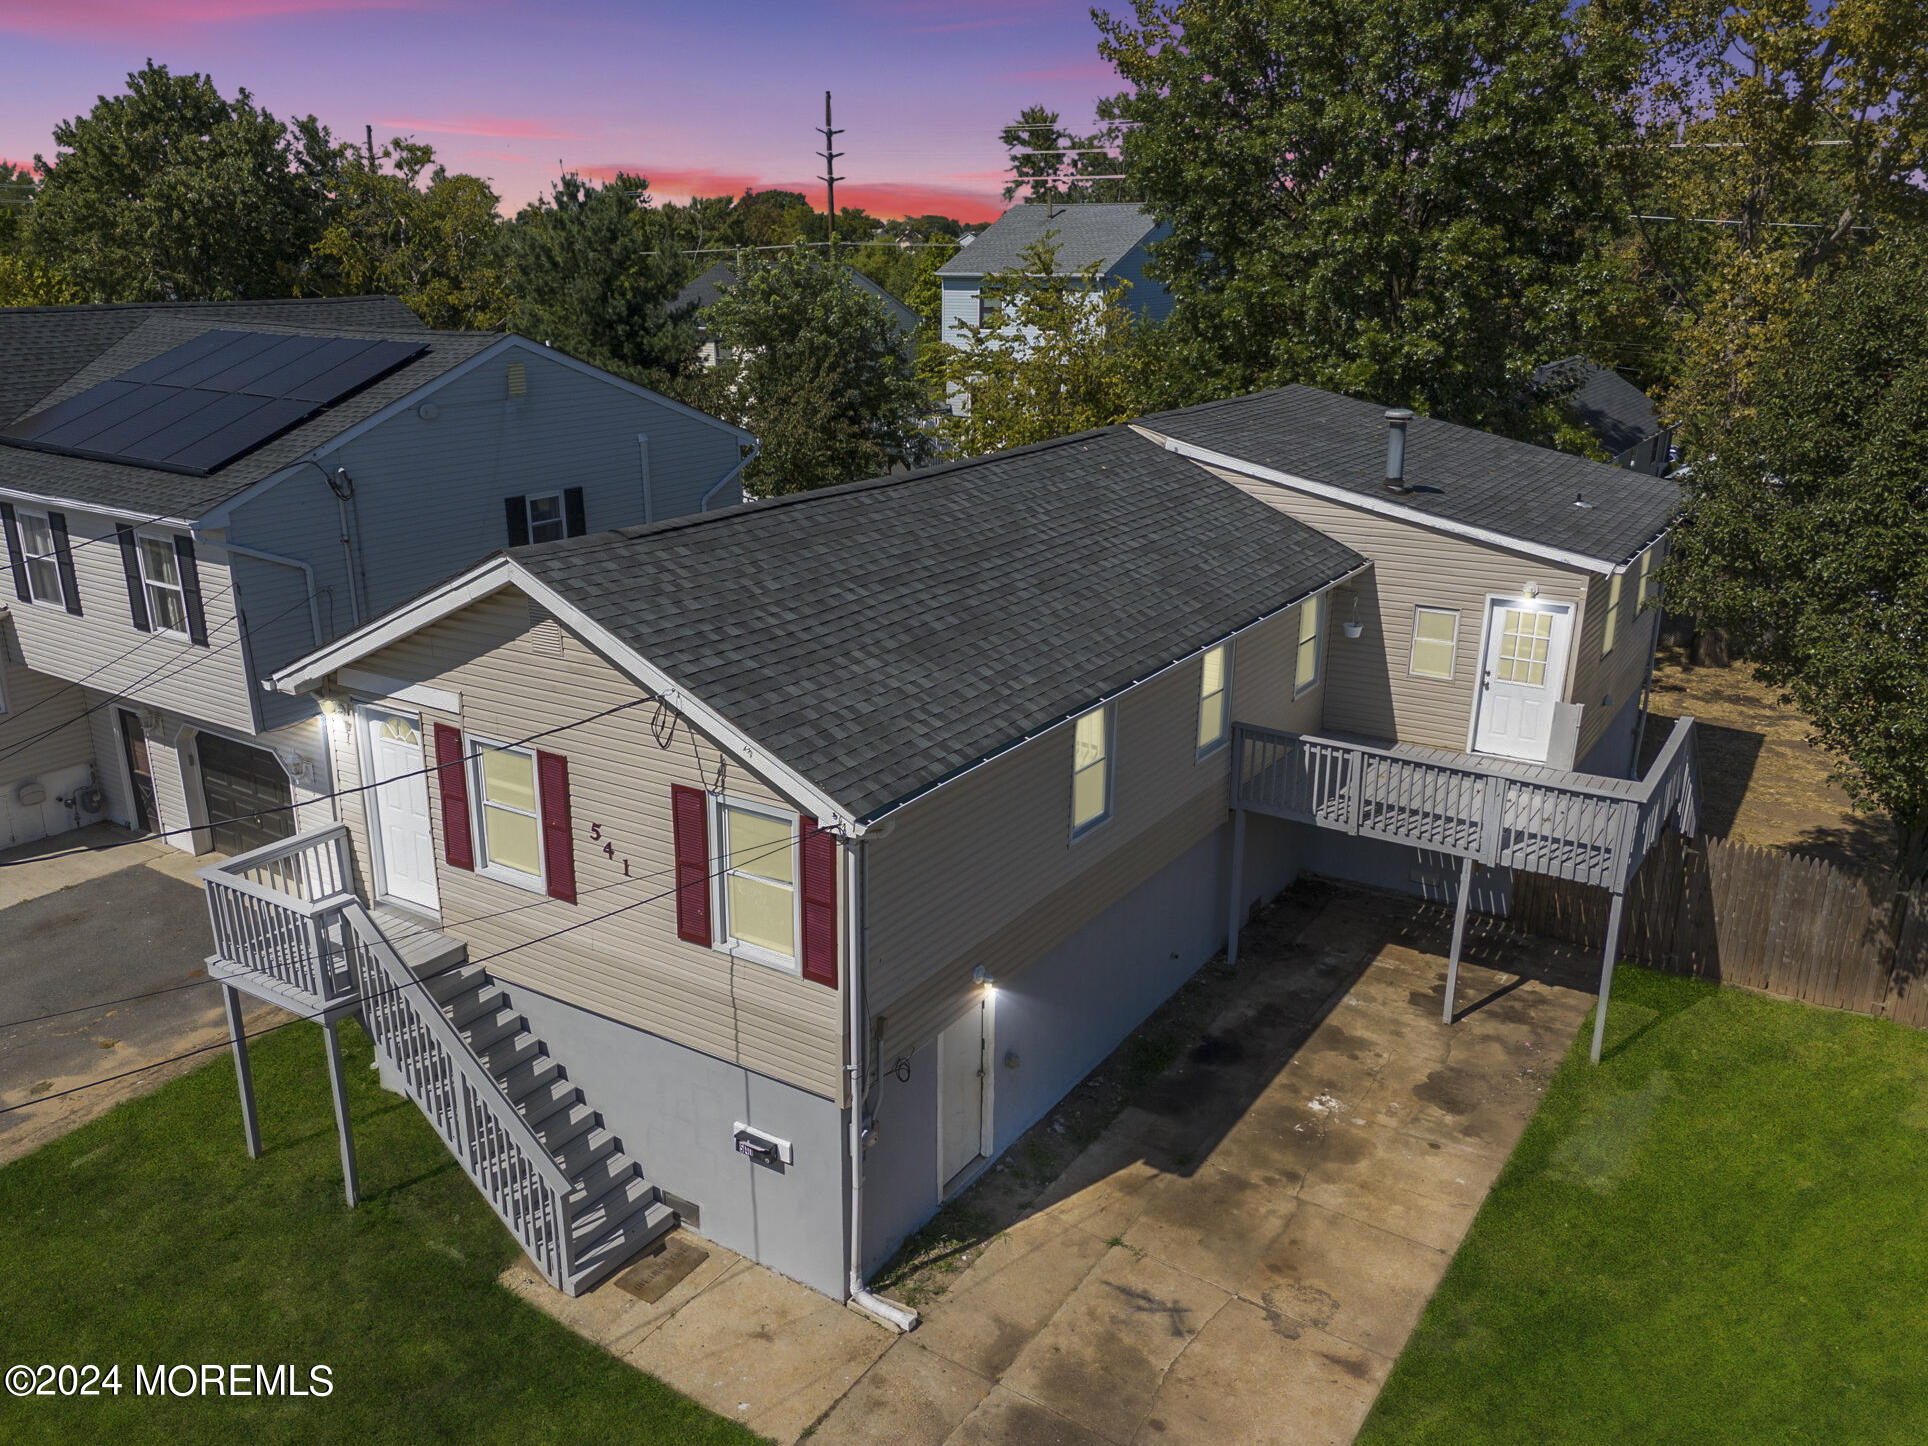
<point x="1238" y="1257"/>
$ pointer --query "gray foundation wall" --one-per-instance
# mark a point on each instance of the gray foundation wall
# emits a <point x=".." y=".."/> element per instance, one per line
<point x="1062" y="1014"/>
<point x="675" y="1109"/>
<point x="1613" y="755"/>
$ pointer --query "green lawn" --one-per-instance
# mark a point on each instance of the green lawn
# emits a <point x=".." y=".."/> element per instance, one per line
<point x="1721" y="1235"/>
<point x="149" y="1237"/>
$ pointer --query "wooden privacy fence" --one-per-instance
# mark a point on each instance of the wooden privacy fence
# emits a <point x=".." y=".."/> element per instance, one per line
<point x="1780" y="923"/>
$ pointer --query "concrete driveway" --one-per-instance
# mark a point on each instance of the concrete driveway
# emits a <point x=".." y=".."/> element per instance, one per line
<point x="1238" y="1257"/>
<point x="1244" y="1251"/>
<point x="85" y="923"/>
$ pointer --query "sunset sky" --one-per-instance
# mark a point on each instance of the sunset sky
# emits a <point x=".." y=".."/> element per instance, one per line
<point x="699" y="97"/>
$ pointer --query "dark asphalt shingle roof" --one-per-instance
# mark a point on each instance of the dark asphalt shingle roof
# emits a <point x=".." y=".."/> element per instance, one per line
<point x="880" y="636"/>
<point x="1086" y="232"/>
<point x="170" y="494"/>
<point x="42" y="346"/>
<point x="1459" y="474"/>
<point x="705" y="289"/>
<point x="1604" y="402"/>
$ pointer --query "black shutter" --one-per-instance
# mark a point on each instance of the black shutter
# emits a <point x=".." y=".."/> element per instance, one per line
<point x="64" y="560"/>
<point x="16" y="559"/>
<point x="518" y="509"/>
<point x="573" y="525"/>
<point x="131" y="565"/>
<point x="197" y="620"/>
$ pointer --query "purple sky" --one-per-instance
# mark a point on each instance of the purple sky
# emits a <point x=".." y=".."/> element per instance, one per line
<point x="700" y="97"/>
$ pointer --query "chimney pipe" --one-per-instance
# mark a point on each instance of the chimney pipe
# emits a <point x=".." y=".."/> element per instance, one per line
<point x="1396" y="420"/>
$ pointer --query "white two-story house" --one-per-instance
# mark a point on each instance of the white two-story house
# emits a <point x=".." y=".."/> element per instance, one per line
<point x="193" y="495"/>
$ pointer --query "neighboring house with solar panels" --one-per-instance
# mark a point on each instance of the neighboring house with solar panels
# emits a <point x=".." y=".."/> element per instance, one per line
<point x="192" y="495"/>
<point x="810" y="851"/>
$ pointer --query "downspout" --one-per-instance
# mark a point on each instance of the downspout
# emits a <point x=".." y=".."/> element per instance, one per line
<point x="856" y="1042"/>
<point x="730" y="476"/>
<point x="348" y="564"/>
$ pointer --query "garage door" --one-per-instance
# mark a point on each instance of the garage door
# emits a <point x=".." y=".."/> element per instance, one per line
<point x="238" y="780"/>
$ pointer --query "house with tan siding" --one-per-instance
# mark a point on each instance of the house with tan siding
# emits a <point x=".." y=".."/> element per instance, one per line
<point x="789" y="861"/>
<point x="194" y="495"/>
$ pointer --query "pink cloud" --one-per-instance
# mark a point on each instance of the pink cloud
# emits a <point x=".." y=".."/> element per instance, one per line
<point x="880" y="198"/>
<point x="496" y="127"/>
<point x="102" y="19"/>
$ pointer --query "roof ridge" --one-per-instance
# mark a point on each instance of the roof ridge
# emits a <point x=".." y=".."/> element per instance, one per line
<point x="96" y="306"/>
<point x="760" y="505"/>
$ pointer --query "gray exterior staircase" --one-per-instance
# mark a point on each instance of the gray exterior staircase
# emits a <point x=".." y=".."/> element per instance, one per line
<point x="288" y="928"/>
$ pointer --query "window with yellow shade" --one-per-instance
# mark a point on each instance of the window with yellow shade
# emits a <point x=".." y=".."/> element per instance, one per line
<point x="511" y="826"/>
<point x="1435" y="638"/>
<point x="759" y="880"/>
<point x="1214" y="698"/>
<point x="1306" y="668"/>
<point x="1091" y="770"/>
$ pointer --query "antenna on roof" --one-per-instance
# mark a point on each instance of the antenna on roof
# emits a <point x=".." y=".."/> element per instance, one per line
<point x="829" y="176"/>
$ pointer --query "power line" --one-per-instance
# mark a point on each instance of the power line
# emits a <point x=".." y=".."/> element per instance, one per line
<point x="420" y="981"/>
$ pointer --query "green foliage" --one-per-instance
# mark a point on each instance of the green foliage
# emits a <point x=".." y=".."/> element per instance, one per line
<point x="590" y="275"/>
<point x="1711" y="1237"/>
<point x="1402" y="202"/>
<point x="1049" y="162"/>
<point x="1797" y="124"/>
<point x="173" y="192"/>
<point x="1806" y="535"/>
<point x="419" y="233"/>
<point x="816" y="370"/>
<point x="1056" y="353"/>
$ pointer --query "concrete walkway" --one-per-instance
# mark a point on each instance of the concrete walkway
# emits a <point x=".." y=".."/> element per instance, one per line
<point x="1238" y="1258"/>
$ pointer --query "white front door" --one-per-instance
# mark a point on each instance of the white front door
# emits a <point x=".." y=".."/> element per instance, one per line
<point x="1521" y="677"/>
<point x="398" y="807"/>
<point x="961" y="1088"/>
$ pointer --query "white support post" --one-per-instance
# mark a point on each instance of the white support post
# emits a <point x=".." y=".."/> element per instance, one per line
<point x="244" y="1077"/>
<point x="1234" y="914"/>
<point x="1459" y="935"/>
<point x="350" y="1181"/>
<point x="1612" y="951"/>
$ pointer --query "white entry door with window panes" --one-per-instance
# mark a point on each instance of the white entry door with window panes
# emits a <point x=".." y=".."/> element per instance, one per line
<point x="1521" y="677"/>
<point x="404" y="847"/>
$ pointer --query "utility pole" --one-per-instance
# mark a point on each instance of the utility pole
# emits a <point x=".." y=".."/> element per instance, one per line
<point x="829" y="176"/>
<point x="369" y="135"/>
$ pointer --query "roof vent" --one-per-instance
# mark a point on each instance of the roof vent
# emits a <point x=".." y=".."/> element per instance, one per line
<point x="1580" y="500"/>
<point x="1396" y="421"/>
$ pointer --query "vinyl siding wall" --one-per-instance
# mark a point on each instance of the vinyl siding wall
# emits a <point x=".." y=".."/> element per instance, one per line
<point x="103" y="649"/>
<point x="957" y="309"/>
<point x="1146" y="297"/>
<point x="630" y="967"/>
<point x="429" y="493"/>
<point x="1605" y="684"/>
<point x="45" y="739"/>
<point x="984" y="870"/>
<point x="1372" y="691"/>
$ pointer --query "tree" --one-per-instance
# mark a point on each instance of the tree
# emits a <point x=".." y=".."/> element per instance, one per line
<point x="1049" y="162"/>
<point x="1056" y="353"/>
<point x="1806" y="534"/>
<point x="1803" y="131"/>
<point x="417" y="232"/>
<point x="590" y="274"/>
<point x="171" y="192"/>
<point x="1400" y="201"/>
<point x="817" y="373"/>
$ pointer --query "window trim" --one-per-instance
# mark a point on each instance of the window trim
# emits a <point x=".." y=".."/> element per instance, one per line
<point x="1080" y="830"/>
<point x="1206" y="750"/>
<point x="1316" y="602"/>
<point x="1452" y="656"/>
<point x="485" y="864"/>
<point x="183" y="633"/>
<point x="721" y="939"/>
<point x="51" y="557"/>
<point x="529" y="500"/>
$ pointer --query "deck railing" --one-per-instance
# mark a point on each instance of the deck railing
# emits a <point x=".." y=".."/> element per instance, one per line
<point x="496" y="1146"/>
<point x="1595" y="832"/>
<point x="274" y="912"/>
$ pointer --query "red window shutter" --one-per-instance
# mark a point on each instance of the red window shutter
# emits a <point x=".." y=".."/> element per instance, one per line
<point x="819" y="883"/>
<point x="558" y="840"/>
<point x="458" y="846"/>
<point x="689" y="811"/>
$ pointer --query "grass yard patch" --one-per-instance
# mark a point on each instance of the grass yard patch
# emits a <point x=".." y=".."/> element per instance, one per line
<point x="148" y="1237"/>
<point x="1716" y="1236"/>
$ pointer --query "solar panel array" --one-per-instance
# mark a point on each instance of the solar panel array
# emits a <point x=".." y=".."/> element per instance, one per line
<point x="211" y="400"/>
